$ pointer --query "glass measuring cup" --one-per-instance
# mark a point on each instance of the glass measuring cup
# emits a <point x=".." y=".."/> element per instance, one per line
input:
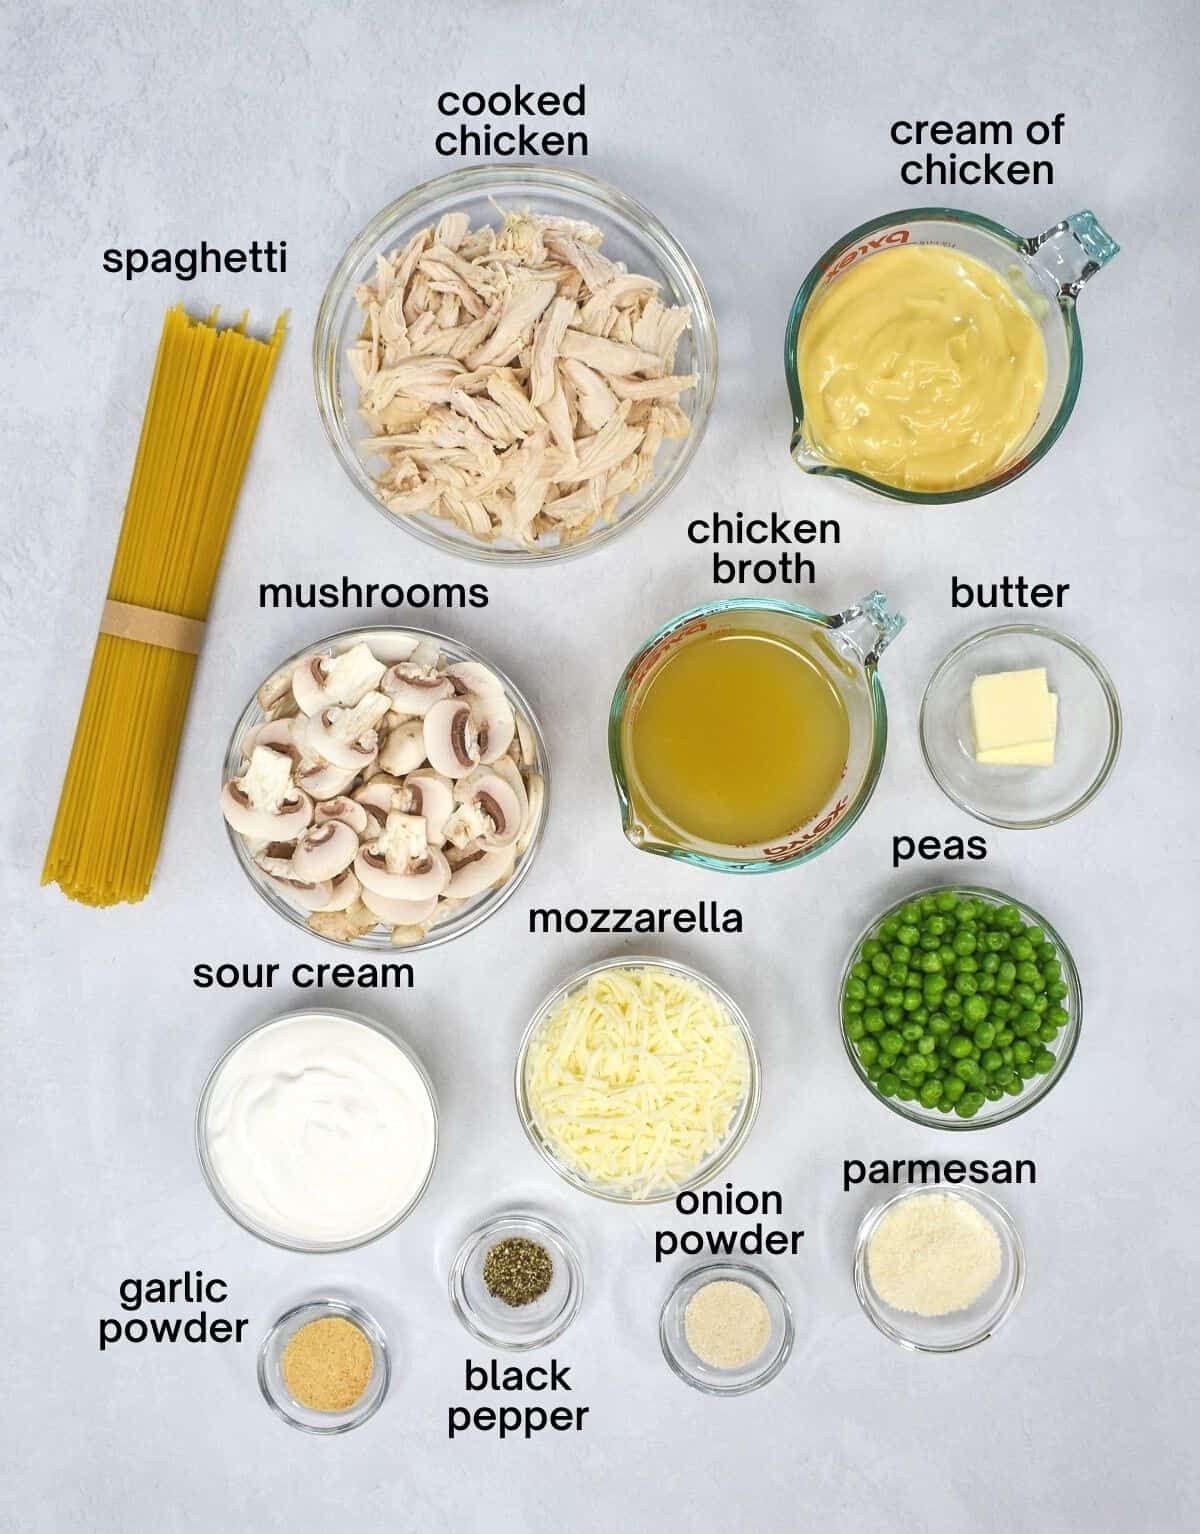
<point x="1047" y="270"/>
<point x="846" y="647"/>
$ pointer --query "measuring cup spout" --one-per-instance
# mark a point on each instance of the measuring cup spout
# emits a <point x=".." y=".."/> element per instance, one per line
<point x="865" y="629"/>
<point x="1072" y="252"/>
<point x="803" y="454"/>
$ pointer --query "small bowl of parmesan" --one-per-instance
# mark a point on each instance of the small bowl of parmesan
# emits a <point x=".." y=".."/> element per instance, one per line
<point x="938" y="1268"/>
<point x="637" y="1079"/>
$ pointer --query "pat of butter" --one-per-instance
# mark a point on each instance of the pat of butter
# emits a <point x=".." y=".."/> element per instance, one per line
<point x="1031" y="753"/>
<point x="1011" y="708"/>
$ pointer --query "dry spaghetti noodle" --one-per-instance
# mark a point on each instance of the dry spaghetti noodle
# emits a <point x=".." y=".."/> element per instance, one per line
<point x="205" y="397"/>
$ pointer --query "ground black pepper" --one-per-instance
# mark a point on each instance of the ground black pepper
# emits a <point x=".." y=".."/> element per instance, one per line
<point x="517" y="1270"/>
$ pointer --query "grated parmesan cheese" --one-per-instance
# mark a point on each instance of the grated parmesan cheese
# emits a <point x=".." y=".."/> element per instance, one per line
<point x="635" y="1079"/>
<point x="933" y="1254"/>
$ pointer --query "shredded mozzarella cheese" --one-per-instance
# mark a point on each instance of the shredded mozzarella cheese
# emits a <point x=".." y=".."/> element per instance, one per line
<point x="636" y="1078"/>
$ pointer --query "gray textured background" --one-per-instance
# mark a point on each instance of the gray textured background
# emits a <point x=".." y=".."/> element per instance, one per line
<point x="758" y="133"/>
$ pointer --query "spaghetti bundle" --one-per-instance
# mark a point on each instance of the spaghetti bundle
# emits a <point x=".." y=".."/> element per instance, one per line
<point x="205" y="398"/>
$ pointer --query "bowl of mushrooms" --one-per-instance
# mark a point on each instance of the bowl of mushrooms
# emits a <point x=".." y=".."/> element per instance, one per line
<point x="515" y="363"/>
<point x="386" y="787"/>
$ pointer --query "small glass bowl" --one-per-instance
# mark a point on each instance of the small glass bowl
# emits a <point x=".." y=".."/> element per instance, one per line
<point x="724" y="1153"/>
<point x="672" y="1332"/>
<point x="1038" y="1086"/>
<point x="516" y="1327"/>
<point x="1085" y="749"/>
<point x="631" y="234"/>
<point x="274" y="1387"/>
<point x="274" y="1238"/>
<point x="962" y="1328"/>
<point x="475" y="910"/>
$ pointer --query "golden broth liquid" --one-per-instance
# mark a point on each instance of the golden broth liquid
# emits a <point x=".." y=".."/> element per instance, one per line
<point x="738" y="739"/>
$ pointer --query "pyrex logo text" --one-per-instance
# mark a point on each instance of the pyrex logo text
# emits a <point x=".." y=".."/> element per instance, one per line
<point x="892" y="237"/>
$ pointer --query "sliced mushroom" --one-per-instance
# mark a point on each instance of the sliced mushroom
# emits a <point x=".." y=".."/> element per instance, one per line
<point x="491" y="712"/>
<point x="403" y="749"/>
<point x="276" y="690"/>
<point x="400" y="913"/>
<point x="378" y="798"/>
<point x="309" y="896"/>
<point x="477" y="869"/>
<point x="400" y="863"/>
<point x="324" y="852"/>
<point x="323" y="781"/>
<point x="535" y="788"/>
<point x="346" y="891"/>
<point x="347" y="737"/>
<point x="431" y="796"/>
<point x="450" y="739"/>
<point x="323" y="681"/>
<point x="498" y="800"/>
<point x="415" y="689"/>
<point x="348" y="811"/>
<point x="264" y="803"/>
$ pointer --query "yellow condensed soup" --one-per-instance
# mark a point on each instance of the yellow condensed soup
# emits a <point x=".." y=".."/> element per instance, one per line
<point x="920" y="367"/>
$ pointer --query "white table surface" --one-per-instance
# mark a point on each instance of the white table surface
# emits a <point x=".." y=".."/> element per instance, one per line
<point x="758" y="134"/>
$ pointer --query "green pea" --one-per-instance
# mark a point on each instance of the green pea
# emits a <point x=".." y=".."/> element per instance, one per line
<point x="1002" y="1075"/>
<point x="1055" y="1017"/>
<point x="940" y="1025"/>
<point x="905" y="1093"/>
<point x="912" y="1000"/>
<point x="945" y="901"/>
<point x="995" y="943"/>
<point x="953" y="1088"/>
<point x="1015" y="1087"/>
<point x="966" y="965"/>
<point x="851" y="1008"/>
<point x="964" y="943"/>
<point x="992" y="1061"/>
<point x="930" y="964"/>
<point x="1058" y="991"/>
<point x="911" y="1032"/>
<point x="889" y="1084"/>
<point x="1047" y="1033"/>
<point x="876" y="985"/>
<point x="871" y="947"/>
<point x="855" y="1028"/>
<point x="975" y="1009"/>
<point x="1051" y="971"/>
<point x="969" y="1105"/>
<point x="1031" y="975"/>
<point x="892" y="1041"/>
<point x="990" y="963"/>
<point x="952" y="1001"/>
<point x="966" y="985"/>
<point x="1027" y="1071"/>
<point x="966" y="1070"/>
<point x="926" y="1044"/>
<point x="892" y="1015"/>
<point x="928" y="943"/>
<point x="1001" y="1009"/>
<point x="987" y="985"/>
<point x="868" y="1051"/>
<point x="992" y="1092"/>
<point x="1022" y="1052"/>
<point x="881" y="964"/>
<point x="1043" y="1062"/>
<point x="917" y="1065"/>
<point x="909" y="936"/>
<point x="931" y="1092"/>
<point x="888" y="929"/>
<point x="1003" y="1036"/>
<point x="959" y="1047"/>
<point x="928" y="904"/>
<point x="1021" y="949"/>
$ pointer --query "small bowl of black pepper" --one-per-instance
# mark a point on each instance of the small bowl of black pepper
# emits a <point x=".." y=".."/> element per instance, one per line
<point x="517" y="1282"/>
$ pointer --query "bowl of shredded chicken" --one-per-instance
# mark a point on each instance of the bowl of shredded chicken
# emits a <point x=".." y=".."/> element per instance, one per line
<point x="637" y="1080"/>
<point x="516" y="364"/>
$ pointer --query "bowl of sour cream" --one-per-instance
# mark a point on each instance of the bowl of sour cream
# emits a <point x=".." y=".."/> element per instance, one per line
<point x="318" y="1131"/>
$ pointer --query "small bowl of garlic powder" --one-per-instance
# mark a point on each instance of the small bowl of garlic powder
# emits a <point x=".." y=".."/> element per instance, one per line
<point x="726" y="1328"/>
<point x="938" y="1268"/>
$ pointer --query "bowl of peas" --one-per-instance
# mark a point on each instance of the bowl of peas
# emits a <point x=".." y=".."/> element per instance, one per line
<point x="960" y="1007"/>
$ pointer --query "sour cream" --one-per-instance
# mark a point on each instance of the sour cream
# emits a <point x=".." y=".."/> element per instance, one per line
<point x="318" y="1130"/>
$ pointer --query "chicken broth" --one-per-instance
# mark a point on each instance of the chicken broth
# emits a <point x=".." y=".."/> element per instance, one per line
<point x="738" y="739"/>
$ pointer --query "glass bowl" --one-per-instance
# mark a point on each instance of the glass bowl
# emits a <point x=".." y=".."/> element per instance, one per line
<point x="962" y="1328"/>
<point x="724" y="1153"/>
<point x="1049" y="269"/>
<point x="274" y="1387"/>
<point x="690" y="1367"/>
<point x="1085" y="749"/>
<point x="1038" y="1086"/>
<point x="516" y="1327"/>
<point x="475" y="910"/>
<point x="631" y="234"/>
<point x="247" y="1222"/>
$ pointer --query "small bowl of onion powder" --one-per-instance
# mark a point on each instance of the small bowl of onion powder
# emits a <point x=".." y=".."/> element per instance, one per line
<point x="726" y="1328"/>
<point x="938" y="1268"/>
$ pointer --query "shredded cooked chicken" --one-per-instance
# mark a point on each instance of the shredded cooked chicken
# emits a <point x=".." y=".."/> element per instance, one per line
<point x="515" y="380"/>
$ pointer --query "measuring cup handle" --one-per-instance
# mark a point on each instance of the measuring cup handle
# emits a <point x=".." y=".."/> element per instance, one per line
<point x="1073" y="251"/>
<point x="868" y="627"/>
